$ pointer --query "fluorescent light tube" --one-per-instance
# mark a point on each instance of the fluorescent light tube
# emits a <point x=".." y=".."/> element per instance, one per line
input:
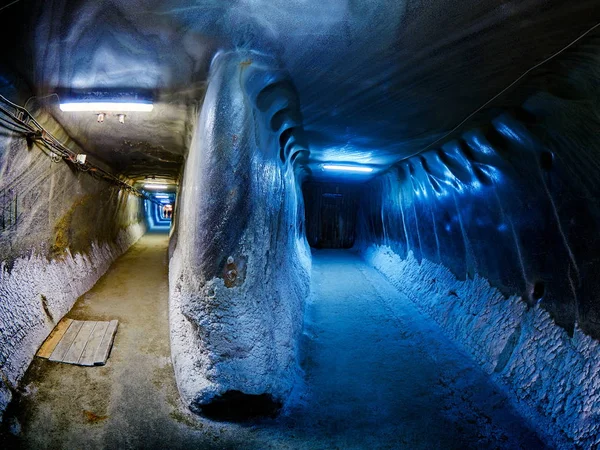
<point x="155" y="186"/>
<point x="346" y="168"/>
<point x="106" y="106"/>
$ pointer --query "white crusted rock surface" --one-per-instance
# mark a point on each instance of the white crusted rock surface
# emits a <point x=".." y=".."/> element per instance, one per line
<point x="239" y="273"/>
<point x="554" y="379"/>
<point x="37" y="293"/>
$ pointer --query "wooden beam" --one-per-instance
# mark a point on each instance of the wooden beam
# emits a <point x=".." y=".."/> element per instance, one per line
<point x="54" y="338"/>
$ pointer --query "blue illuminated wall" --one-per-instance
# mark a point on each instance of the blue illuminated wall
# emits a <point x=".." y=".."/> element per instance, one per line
<point x="494" y="234"/>
<point x="515" y="201"/>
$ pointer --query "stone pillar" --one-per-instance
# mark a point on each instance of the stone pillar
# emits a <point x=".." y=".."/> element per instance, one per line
<point x="239" y="271"/>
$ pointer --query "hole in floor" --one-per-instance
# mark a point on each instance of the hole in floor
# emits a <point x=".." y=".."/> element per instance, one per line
<point x="235" y="406"/>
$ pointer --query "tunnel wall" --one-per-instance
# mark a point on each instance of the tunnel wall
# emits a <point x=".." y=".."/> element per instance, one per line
<point x="239" y="271"/>
<point x="60" y="229"/>
<point x="495" y="236"/>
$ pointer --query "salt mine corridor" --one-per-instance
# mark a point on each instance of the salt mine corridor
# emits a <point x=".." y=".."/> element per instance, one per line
<point x="281" y="224"/>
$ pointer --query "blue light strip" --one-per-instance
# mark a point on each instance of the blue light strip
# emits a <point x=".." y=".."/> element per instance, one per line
<point x="347" y="168"/>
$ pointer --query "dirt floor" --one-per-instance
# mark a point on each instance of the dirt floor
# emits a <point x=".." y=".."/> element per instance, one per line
<point x="378" y="374"/>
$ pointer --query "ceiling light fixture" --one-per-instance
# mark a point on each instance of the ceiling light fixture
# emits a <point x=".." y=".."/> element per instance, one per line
<point x="347" y="168"/>
<point x="155" y="186"/>
<point x="107" y="106"/>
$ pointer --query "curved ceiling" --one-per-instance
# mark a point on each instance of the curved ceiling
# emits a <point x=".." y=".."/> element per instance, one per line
<point x="378" y="81"/>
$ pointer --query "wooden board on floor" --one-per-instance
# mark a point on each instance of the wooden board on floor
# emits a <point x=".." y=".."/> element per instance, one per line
<point x="88" y="358"/>
<point x="65" y="343"/>
<point x="104" y="349"/>
<point x="78" y="346"/>
<point x="86" y="343"/>
<point x="55" y="336"/>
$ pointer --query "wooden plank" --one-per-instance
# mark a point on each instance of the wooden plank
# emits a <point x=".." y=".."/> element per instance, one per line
<point x="76" y="350"/>
<point x="65" y="343"/>
<point x="55" y="336"/>
<point x="107" y="342"/>
<point x="89" y="354"/>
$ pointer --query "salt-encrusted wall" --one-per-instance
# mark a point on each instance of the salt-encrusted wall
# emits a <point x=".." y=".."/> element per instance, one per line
<point x="495" y="235"/>
<point x="239" y="272"/>
<point x="60" y="229"/>
<point x="553" y="377"/>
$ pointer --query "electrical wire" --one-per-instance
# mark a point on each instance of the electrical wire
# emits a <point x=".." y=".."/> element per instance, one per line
<point x="10" y="4"/>
<point x="26" y="124"/>
<point x="527" y="72"/>
<point x="14" y="127"/>
<point x="54" y="94"/>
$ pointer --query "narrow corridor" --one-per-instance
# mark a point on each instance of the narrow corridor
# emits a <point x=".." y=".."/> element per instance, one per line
<point x="382" y="375"/>
<point x="119" y="404"/>
<point x="378" y="374"/>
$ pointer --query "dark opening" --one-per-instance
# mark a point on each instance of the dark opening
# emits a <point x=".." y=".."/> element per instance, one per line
<point x="538" y="290"/>
<point x="495" y="138"/>
<point x="330" y="210"/>
<point x="235" y="406"/>
<point x="546" y="160"/>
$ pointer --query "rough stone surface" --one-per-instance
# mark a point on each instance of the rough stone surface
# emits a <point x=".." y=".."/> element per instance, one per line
<point x="549" y="374"/>
<point x="60" y="229"/>
<point x="37" y="293"/>
<point x="379" y="375"/>
<point x="239" y="271"/>
<point x="378" y="80"/>
<point x="514" y="200"/>
<point x="495" y="235"/>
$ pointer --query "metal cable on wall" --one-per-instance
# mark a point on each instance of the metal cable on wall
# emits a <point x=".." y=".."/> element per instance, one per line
<point x="24" y="123"/>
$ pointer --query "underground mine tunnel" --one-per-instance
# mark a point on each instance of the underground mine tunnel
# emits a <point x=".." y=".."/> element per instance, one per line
<point x="268" y="224"/>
